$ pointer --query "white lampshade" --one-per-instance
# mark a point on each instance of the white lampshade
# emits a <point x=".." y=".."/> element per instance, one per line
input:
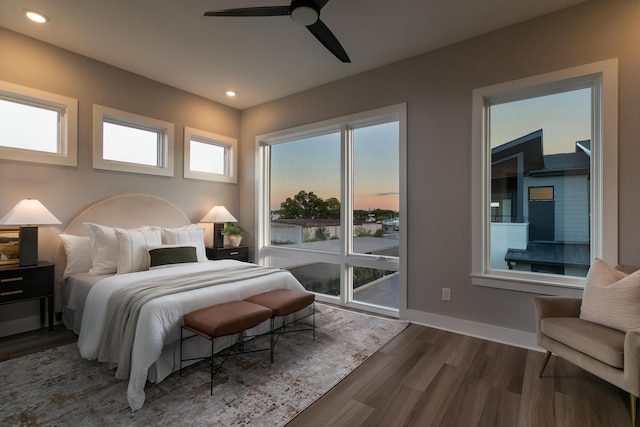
<point x="218" y="214"/>
<point x="29" y="212"/>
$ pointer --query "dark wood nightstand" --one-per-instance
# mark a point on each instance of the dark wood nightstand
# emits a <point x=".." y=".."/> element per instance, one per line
<point x="26" y="283"/>
<point x="240" y="253"/>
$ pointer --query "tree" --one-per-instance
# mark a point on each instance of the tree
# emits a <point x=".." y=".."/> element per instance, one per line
<point x="309" y="206"/>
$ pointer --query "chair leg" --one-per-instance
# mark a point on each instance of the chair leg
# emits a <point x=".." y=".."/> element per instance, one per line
<point x="632" y="402"/>
<point x="544" y="362"/>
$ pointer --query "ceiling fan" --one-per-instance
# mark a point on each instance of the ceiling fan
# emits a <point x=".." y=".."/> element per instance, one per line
<point x="303" y="12"/>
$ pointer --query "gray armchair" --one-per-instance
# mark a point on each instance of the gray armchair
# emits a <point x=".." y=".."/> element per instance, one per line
<point x="607" y="353"/>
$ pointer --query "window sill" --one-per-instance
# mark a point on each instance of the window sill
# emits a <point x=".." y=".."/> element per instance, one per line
<point x="568" y="287"/>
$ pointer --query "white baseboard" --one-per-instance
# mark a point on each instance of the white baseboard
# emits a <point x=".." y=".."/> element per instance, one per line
<point x="485" y="331"/>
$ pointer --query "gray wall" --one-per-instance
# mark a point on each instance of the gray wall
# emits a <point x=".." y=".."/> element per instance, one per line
<point x="66" y="191"/>
<point x="437" y="88"/>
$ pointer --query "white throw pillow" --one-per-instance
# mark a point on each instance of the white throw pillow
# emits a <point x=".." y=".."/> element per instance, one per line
<point x="190" y="234"/>
<point x="78" y="250"/>
<point x="611" y="298"/>
<point x="132" y="252"/>
<point x="104" y="248"/>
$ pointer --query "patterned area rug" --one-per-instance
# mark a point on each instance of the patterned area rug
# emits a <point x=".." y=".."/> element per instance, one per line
<point x="58" y="387"/>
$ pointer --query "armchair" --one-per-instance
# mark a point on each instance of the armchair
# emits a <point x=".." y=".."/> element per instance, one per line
<point x="608" y="353"/>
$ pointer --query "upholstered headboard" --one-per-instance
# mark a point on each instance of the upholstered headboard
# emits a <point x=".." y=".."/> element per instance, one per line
<point x="124" y="211"/>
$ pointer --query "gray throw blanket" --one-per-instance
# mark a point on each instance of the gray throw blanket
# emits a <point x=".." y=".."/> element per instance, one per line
<point x="123" y="308"/>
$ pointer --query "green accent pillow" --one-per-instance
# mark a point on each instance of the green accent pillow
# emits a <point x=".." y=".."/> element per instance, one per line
<point x="175" y="255"/>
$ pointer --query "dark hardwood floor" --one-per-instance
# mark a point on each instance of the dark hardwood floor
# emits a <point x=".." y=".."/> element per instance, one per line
<point x="33" y="341"/>
<point x="429" y="377"/>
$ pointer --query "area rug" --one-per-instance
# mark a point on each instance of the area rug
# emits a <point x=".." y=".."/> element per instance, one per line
<point x="58" y="387"/>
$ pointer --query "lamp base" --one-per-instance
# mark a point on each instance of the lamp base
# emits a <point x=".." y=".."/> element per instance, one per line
<point x="218" y="238"/>
<point x="28" y="246"/>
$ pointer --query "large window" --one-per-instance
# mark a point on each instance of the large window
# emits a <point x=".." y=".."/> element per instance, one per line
<point x="209" y="157"/>
<point x="545" y="186"/>
<point x="37" y="126"/>
<point x="331" y="206"/>
<point x="131" y="143"/>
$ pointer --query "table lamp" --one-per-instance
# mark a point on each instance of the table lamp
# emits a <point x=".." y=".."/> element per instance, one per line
<point x="28" y="214"/>
<point x="218" y="215"/>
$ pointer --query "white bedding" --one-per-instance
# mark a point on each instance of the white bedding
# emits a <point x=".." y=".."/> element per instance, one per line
<point x="75" y="289"/>
<point x="155" y="352"/>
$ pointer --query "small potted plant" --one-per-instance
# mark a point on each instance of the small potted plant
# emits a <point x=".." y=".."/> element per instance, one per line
<point x="234" y="233"/>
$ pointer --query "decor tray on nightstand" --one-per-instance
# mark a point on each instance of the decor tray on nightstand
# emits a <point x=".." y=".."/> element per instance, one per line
<point x="19" y="283"/>
<point x="240" y="253"/>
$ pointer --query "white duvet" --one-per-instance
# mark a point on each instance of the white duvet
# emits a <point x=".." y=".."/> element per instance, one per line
<point x="155" y="352"/>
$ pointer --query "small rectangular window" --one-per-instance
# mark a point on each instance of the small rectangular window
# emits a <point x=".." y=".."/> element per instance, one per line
<point x="123" y="143"/>
<point x="540" y="193"/>
<point x="208" y="156"/>
<point x="37" y="126"/>
<point x="130" y="143"/>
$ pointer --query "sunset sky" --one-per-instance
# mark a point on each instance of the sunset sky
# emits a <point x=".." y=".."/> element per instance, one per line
<point x="313" y="164"/>
<point x="564" y="119"/>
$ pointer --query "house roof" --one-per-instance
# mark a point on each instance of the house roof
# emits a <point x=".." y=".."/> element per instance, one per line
<point x="530" y="149"/>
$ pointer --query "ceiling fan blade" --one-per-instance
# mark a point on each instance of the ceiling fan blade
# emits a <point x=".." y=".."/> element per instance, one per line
<point x="326" y="37"/>
<point x="251" y="11"/>
<point x="321" y="3"/>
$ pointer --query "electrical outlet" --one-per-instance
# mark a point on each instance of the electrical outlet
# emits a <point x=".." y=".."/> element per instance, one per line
<point x="446" y="294"/>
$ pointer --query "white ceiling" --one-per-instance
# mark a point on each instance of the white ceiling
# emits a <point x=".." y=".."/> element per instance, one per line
<point x="261" y="58"/>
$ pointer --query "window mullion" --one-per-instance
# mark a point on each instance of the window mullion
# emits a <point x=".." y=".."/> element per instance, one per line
<point x="346" y="213"/>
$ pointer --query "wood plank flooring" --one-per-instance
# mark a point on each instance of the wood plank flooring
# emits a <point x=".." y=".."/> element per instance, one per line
<point x="34" y="341"/>
<point x="429" y="377"/>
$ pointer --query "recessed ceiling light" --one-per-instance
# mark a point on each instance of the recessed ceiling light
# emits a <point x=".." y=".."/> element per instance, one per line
<point x="231" y="93"/>
<point x="35" y="16"/>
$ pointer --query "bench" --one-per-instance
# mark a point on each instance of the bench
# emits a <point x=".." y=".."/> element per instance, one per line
<point x="220" y="320"/>
<point x="283" y="302"/>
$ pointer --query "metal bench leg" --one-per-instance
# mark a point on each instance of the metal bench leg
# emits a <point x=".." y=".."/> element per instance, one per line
<point x="272" y="344"/>
<point x="212" y="340"/>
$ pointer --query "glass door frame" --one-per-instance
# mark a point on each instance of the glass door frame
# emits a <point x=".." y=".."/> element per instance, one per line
<point x="345" y="258"/>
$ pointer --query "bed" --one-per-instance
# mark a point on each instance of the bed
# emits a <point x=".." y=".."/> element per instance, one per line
<point x="87" y="293"/>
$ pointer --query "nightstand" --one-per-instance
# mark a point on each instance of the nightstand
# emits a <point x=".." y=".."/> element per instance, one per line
<point x="240" y="253"/>
<point x="27" y="283"/>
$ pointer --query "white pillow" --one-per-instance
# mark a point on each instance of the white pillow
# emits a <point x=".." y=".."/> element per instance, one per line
<point x="132" y="252"/>
<point x="187" y="235"/>
<point x="78" y="250"/>
<point x="611" y="298"/>
<point x="104" y="248"/>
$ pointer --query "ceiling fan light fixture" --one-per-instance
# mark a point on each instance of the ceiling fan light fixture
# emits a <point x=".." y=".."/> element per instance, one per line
<point x="304" y="13"/>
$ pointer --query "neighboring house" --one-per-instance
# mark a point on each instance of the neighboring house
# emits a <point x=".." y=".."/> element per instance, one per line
<point x="543" y="202"/>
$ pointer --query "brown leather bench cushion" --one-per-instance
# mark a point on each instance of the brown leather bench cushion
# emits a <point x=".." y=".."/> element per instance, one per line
<point x="283" y="301"/>
<point x="226" y="319"/>
<point x="601" y="343"/>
